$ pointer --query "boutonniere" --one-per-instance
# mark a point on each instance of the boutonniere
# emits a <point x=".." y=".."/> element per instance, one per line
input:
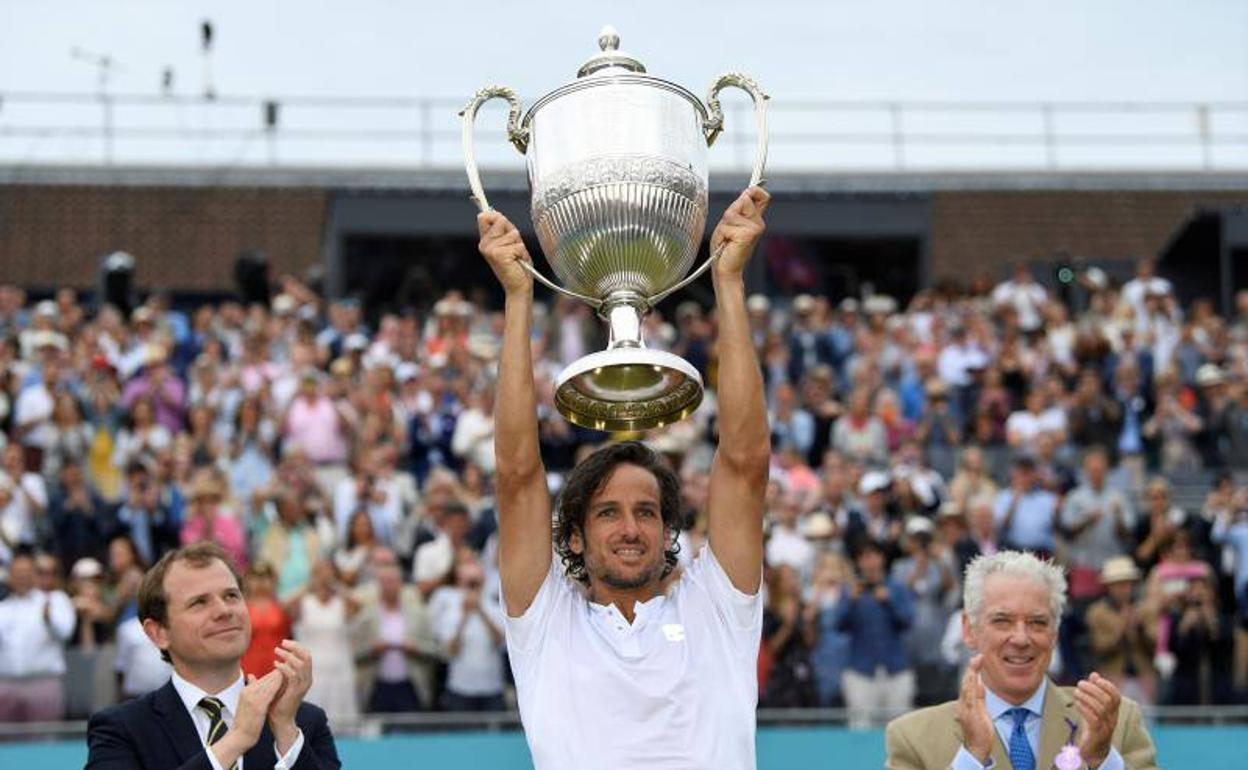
<point x="1068" y="758"/>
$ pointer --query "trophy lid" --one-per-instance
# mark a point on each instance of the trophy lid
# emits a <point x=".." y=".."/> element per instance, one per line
<point x="611" y="57"/>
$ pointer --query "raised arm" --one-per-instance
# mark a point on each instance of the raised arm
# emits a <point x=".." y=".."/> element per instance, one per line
<point x="524" y="524"/>
<point x="739" y="473"/>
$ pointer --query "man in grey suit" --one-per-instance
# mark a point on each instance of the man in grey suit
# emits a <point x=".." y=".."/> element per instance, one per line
<point x="1009" y="714"/>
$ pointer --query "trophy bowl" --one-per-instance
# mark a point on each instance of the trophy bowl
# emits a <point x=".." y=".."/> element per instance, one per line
<point x="617" y="163"/>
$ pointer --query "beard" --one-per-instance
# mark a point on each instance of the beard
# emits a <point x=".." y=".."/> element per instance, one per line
<point x="618" y="579"/>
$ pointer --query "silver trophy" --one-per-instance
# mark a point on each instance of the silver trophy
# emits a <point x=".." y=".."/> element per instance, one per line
<point x="618" y="170"/>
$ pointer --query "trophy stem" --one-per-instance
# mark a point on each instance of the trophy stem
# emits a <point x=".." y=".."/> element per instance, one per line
<point x="624" y="323"/>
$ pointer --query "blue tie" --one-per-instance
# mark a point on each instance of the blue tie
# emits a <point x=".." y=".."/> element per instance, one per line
<point x="1020" y="748"/>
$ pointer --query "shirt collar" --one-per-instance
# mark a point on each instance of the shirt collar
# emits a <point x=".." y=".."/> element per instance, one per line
<point x="997" y="706"/>
<point x="641" y="610"/>
<point x="191" y="694"/>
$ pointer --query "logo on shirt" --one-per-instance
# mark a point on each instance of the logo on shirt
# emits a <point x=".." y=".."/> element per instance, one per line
<point x="674" y="632"/>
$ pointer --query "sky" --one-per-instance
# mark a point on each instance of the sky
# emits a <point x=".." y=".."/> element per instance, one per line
<point x="801" y="51"/>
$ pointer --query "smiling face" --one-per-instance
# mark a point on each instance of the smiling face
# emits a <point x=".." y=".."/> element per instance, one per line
<point x="623" y="538"/>
<point x="206" y="622"/>
<point x="1015" y="632"/>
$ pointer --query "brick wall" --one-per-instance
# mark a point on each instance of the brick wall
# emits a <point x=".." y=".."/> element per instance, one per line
<point x="183" y="237"/>
<point x="975" y="232"/>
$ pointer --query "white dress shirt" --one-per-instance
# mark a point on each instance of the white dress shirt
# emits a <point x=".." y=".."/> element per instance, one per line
<point x="31" y="647"/>
<point x="192" y="695"/>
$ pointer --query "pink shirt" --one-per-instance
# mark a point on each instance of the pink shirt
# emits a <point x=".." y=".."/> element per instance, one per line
<point x="226" y="532"/>
<point x="313" y="427"/>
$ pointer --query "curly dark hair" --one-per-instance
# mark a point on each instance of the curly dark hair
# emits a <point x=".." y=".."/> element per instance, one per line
<point x="588" y="478"/>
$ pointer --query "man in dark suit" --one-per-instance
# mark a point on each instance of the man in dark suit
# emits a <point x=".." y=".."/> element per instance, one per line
<point x="209" y="716"/>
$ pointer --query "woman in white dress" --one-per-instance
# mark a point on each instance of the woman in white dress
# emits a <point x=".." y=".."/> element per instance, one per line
<point x="321" y="614"/>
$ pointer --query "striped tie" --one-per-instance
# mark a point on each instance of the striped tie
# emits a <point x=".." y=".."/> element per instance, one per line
<point x="1020" y="748"/>
<point x="216" y="722"/>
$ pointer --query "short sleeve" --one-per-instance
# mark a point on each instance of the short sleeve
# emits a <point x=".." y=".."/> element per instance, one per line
<point x="742" y="611"/>
<point x="525" y="632"/>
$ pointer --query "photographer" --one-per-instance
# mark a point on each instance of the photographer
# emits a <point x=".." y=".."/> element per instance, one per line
<point x="934" y="588"/>
<point x="1200" y="640"/>
<point x="875" y="613"/>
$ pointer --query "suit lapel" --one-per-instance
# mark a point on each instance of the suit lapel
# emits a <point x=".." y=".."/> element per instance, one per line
<point x="173" y="718"/>
<point x="1059" y="706"/>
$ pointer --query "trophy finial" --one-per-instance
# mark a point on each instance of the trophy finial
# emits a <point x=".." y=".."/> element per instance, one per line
<point x="609" y="39"/>
<point x="609" y="60"/>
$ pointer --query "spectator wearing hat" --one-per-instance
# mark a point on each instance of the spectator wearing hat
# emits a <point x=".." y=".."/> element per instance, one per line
<point x="933" y="588"/>
<point x="1025" y="512"/>
<point x="1213" y="409"/>
<point x="86" y="592"/>
<point x="875" y="612"/>
<point x="35" y="403"/>
<point x="808" y="342"/>
<point x="1120" y="636"/>
<point x="207" y="519"/>
<point x="874" y="520"/>
<point x="34" y="627"/>
<point x="1097" y="523"/>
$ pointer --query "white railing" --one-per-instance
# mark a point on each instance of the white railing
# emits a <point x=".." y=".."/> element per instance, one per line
<point x="38" y="129"/>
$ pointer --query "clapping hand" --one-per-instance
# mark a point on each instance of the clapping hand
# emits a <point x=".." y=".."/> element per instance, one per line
<point x="294" y="662"/>
<point x="971" y="712"/>
<point x="1098" y="700"/>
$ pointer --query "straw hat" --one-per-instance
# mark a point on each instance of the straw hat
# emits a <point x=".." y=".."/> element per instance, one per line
<point x="1119" y="569"/>
<point x="818" y="525"/>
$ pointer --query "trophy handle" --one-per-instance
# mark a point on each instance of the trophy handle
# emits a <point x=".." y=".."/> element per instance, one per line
<point x="519" y="137"/>
<point x="715" y="120"/>
<point x="713" y="127"/>
<point x="518" y="134"/>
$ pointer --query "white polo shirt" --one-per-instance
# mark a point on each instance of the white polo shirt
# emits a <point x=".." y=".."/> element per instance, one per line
<point x="676" y="689"/>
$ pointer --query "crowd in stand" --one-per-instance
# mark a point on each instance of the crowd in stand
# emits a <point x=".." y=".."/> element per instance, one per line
<point x="346" y="469"/>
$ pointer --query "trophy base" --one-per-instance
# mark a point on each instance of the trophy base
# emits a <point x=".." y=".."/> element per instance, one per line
<point x="627" y="389"/>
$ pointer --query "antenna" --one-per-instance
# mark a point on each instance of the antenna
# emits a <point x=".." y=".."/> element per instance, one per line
<point x="205" y="38"/>
<point x="104" y="65"/>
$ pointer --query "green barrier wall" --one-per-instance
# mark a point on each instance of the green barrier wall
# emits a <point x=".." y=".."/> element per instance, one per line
<point x="779" y="748"/>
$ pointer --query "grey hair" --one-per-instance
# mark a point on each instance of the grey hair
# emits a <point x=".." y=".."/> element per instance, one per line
<point x="1019" y="564"/>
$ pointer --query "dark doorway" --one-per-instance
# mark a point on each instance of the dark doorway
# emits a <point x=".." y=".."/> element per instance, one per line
<point x="394" y="273"/>
<point x="1192" y="261"/>
<point x="845" y="267"/>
